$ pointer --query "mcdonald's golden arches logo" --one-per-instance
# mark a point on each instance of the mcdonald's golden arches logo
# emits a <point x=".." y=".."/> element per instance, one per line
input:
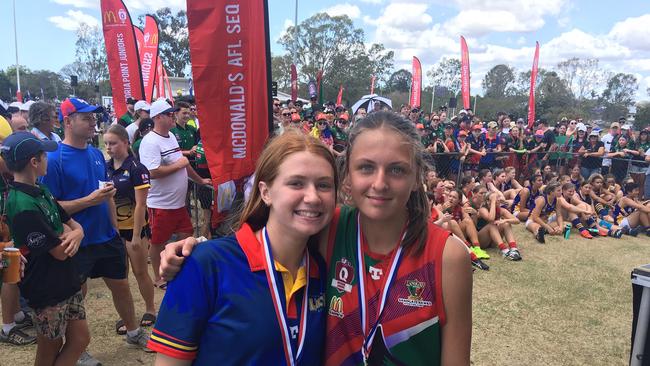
<point x="336" y="307"/>
<point x="110" y="17"/>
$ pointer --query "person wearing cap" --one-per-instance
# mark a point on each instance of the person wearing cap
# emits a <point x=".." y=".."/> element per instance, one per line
<point x="321" y="130"/>
<point x="592" y="152"/>
<point x="43" y="117"/>
<point x="608" y="140"/>
<point x="76" y="176"/>
<point x="129" y="116"/>
<point x="493" y="147"/>
<point x="169" y="170"/>
<point x="50" y="285"/>
<point x="24" y="109"/>
<point x="477" y="150"/>
<point x="141" y="112"/>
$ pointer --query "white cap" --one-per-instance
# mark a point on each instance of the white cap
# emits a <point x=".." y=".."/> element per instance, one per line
<point x="581" y="127"/>
<point x="626" y="127"/>
<point x="594" y="133"/>
<point x="462" y="111"/>
<point x="16" y="105"/>
<point x="141" y="104"/>
<point x="25" y="106"/>
<point x="160" y="106"/>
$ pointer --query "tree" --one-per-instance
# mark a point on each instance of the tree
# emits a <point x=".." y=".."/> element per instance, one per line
<point x="281" y="71"/>
<point x="583" y="77"/>
<point x="499" y="81"/>
<point x="446" y="73"/>
<point x="173" y="40"/>
<point x="621" y="89"/>
<point x="399" y="81"/>
<point x="333" y="45"/>
<point x="53" y="85"/>
<point x="553" y="97"/>
<point x="642" y="118"/>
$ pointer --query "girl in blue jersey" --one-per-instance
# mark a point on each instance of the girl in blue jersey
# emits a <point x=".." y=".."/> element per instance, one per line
<point x="631" y="214"/>
<point x="544" y="217"/>
<point x="257" y="297"/>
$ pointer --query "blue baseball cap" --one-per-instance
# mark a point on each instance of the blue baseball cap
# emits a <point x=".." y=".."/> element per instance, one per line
<point x="23" y="145"/>
<point x="76" y="105"/>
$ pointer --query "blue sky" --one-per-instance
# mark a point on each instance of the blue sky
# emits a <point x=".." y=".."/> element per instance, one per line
<point x="498" y="31"/>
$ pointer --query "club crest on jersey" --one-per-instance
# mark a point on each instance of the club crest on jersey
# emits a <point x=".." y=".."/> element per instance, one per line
<point x="336" y="307"/>
<point x="415" y="289"/>
<point x="344" y="276"/>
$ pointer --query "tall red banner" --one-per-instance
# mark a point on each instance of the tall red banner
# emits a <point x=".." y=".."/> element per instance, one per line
<point x="149" y="56"/>
<point x="294" y="83"/>
<point x="416" y="83"/>
<point x="230" y="51"/>
<point x="121" y="54"/>
<point x="339" y="98"/>
<point x="531" y="95"/>
<point x="139" y="40"/>
<point x="464" y="72"/>
<point x="160" y="79"/>
<point x="372" y="84"/>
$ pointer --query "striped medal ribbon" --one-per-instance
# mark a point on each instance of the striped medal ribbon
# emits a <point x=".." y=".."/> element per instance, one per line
<point x="363" y="306"/>
<point x="279" y="301"/>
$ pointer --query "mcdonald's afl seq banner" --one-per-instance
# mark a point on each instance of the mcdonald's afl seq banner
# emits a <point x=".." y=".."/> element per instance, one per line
<point x="121" y="54"/>
<point x="229" y="48"/>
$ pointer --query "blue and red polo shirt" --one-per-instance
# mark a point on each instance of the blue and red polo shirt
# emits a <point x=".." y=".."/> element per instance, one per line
<point x="219" y="309"/>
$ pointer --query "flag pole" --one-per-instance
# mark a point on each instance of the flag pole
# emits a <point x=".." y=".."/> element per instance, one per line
<point x="18" y="94"/>
<point x="433" y="96"/>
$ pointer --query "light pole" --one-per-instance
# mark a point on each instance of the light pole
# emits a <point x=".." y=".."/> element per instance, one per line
<point x="19" y="95"/>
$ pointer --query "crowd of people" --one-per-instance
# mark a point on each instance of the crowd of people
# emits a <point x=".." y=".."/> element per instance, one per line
<point x="420" y="196"/>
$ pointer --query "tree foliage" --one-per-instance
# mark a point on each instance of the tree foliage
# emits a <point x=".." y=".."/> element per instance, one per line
<point x="583" y="77"/>
<point x="54" y="86"/>
<point x="173" y="40"/>
<point x="446" y="73"/>
<point x="333" y="45"/>
<point x="499" y="81"/>
<point x="399" y="81"/>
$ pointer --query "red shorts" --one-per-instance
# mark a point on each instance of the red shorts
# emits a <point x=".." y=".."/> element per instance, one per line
<point x="165" y="222"/>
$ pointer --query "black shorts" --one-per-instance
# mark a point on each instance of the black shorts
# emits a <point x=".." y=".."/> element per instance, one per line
<point x="127" y="234"/>
<point x="102" y="260"/>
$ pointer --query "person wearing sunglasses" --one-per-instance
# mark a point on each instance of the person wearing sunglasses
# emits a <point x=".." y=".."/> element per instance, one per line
<point x="340" y="133"/>
<point x="322" y="130"/>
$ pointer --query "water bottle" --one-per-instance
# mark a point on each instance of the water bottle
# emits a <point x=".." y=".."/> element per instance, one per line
<point x="567" y="231"/>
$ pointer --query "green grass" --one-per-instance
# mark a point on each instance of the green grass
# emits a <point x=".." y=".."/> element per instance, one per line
<point x="568" y="302"/>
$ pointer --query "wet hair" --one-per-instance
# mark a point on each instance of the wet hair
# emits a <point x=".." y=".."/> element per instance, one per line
<point x="629" y="187"/>
<point x="417" y="205"/>
<point x="39" y="113"/>
<point x="466" y="180"/>
<point x="182" y="104"/>
<point x="483" y="173"/>
<point x="567" y="186"/>
<point x="593" y="177"/>
<point x="256" y="212"/>
<point x="509" y="169"/>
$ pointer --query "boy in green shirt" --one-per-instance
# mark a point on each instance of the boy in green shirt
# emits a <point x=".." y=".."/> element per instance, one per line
<point x="51" y="284"/>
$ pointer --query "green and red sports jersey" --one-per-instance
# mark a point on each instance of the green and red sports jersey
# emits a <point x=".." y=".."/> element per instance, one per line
<point x="410" y="330"/>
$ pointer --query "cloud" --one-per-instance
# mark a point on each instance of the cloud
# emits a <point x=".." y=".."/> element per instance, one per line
<point x="374" y="2"/>
<point x="73" y="19"/>
<point x="350" y="10"/>
<point x="90" y="4"/>
<point x="153" y="5"/>
<point x="487" y="16"/>
<point x="633" y="32"/>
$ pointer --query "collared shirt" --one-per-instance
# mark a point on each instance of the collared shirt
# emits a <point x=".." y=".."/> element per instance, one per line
<point x="128" y="178"/>
<point x="53" y="136"/>
<point x="219" y="309"/>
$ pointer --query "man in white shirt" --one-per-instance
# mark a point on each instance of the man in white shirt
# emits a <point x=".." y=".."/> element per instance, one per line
<point x="607" y="140"/>
<point x="141" y="112"/>
<point x="169" y="170"/>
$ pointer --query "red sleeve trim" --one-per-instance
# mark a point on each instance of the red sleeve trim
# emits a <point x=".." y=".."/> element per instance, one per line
<point x="171" y="352"/>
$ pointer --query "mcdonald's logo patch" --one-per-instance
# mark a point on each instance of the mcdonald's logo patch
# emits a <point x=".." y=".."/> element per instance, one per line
<point x="336" y="307"/>
<point x="109" y="17"/>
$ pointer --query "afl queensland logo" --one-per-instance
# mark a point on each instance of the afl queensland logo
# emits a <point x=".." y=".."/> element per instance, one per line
<point x="122" y="15"/>
<point x="344" y="276"/>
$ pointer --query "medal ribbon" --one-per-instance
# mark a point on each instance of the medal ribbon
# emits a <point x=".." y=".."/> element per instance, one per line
<point x="363" y="307"/>
<point x="279" y="303"/>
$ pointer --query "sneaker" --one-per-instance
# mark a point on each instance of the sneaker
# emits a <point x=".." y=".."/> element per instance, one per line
<point x="616" y="234"/>
<point x="139" y="340"/>
<point x="480" y="253"/>
<point x="585" y="234"/>
<point x="477" y="263"/>
<point x="512" y="255"/>
<point x="16" y="337"/>
<point x="540" y="235"/>
<point x="26" y="323"/>
<point x="633" y="232"/>
<point x="87" y="360"/>
<point x="602" y="232"/>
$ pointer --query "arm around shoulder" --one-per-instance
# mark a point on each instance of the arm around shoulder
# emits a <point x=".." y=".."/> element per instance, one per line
<point x="457" y="300"/>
